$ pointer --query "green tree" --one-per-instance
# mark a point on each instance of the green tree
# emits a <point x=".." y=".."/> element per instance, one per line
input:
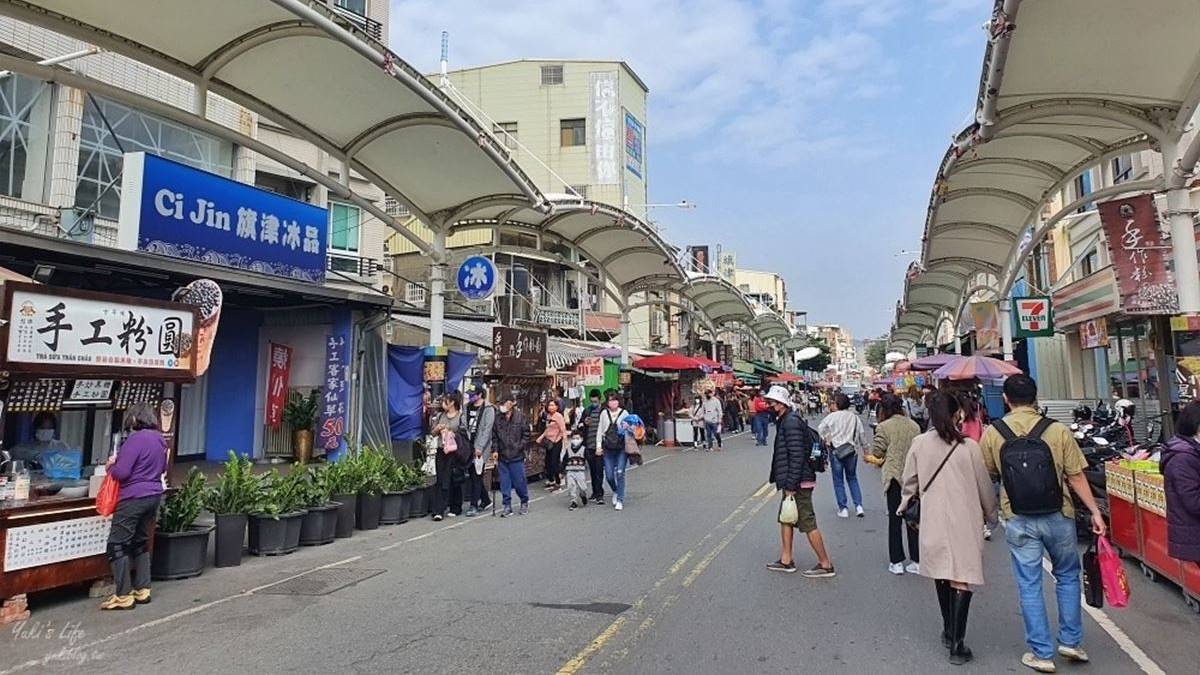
<point x="876" y="354"/>
<point x="819" y="363"/>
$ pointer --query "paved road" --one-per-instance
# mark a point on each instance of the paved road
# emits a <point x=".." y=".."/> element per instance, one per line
<point x="674" y="584"/>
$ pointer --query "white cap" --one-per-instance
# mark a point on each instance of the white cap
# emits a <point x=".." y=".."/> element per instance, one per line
<point x="779" y="394"/>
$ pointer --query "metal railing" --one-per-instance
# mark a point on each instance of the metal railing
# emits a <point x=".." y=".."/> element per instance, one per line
<point x="359" y="266"/>
<point x="367" y="24"/>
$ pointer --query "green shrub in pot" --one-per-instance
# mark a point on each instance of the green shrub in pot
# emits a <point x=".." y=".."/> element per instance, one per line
<point x="181" y="546"/>
<point x="181" y="509"/>
<point x="230" y="499"/>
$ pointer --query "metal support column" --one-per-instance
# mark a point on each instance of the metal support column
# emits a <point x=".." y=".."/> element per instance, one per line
<point x="1006" y="333"/>
<point x="437" y="288"/>
<point x="625" y="332"/>
<point x="1183" y="237"/>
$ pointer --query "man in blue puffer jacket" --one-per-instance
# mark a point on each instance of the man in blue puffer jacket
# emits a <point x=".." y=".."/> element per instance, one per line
<point x="793" y="473"/>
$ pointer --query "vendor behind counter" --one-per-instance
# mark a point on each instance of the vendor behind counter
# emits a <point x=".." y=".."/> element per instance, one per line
<point x="44" y="436"/>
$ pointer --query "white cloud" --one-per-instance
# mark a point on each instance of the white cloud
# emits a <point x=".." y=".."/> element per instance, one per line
<point x="750" y="80"/>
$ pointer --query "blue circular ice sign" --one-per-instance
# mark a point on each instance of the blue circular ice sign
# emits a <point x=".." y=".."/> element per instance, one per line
<point x="477" y="278"/>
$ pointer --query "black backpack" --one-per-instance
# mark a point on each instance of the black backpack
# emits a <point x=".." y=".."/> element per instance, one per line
<point x="612" y="441"/>
<point x="1031" y="480"/>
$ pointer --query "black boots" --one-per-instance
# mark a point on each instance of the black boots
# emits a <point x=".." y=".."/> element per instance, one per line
<point x="943" y="592"/>
<point x="960" y="606"/>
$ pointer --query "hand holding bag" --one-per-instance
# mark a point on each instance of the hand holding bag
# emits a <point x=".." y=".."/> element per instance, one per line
<point x="912" y="511"/>
<point x="108" y="496"/>
<point x="1116" y="586"/>
<point x="788" y="513"/>
<point x="1093" y="585"/>
<point x="449" y="442"/>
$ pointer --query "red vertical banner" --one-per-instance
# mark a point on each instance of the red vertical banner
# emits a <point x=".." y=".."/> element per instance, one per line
<point x="1139" y="256"/>
<point x="277" y="383"/>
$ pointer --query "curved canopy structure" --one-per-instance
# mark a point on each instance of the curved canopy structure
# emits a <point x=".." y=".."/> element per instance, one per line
<point x="402" y="133"/>
<point x="1054" y="100"/>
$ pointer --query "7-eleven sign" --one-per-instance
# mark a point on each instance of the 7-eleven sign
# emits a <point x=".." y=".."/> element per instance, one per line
<point x="1033" y="317"/>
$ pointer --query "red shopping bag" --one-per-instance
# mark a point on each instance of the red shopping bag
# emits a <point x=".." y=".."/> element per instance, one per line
<point x="106" y="498"/>
<point x="1116" y="586"/>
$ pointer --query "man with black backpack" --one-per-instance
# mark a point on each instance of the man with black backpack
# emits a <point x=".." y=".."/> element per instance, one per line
<point x="1033" y="457"/>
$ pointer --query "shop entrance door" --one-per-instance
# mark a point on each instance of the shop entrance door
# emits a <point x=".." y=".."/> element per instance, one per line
<point x="193" y="412"/>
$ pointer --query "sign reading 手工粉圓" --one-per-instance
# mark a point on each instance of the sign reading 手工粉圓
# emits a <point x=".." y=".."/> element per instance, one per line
<point x="64" y="329"/>
<point x="171" y="209"/>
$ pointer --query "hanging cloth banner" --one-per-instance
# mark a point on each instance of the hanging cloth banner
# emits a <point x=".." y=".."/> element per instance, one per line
<point x="278" y="374"/>
<point x="1033" y="317"/>
<point x="1139" y="256"/>
<point x="986" y="318"/>
<point x="405" y="386"/>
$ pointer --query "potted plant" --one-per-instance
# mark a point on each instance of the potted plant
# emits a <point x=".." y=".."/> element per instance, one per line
<point x="372" y="472"/>
<point x="300" y="413"/>
<point x="419" y="502"/>
<point x="343" y="481"/>
<point x="395" y="500"/>
<point x="319" y="525"/>
<point x="180" y="545"/>
<point x="274" y="515"/>
<point x="234" y="494"/>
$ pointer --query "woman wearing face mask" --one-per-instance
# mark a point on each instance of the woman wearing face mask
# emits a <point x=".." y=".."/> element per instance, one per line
<point x="697" y="415"/>
<point x="448" y="498"/>
<point x="45" y="432"/>
<point x="610" y="444"/>
<point x="552" y="440"/>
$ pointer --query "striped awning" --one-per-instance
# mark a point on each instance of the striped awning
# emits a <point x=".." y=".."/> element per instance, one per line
<point x="1089" y="298"/>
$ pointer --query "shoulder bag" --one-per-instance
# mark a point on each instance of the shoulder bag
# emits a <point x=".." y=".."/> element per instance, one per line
<point x="912" y="512"/>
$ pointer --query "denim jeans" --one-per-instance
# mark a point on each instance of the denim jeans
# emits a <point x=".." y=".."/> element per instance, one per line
<point x="614" y="470"/>
<point x="762" y="422"/>
<point x="1028" y="538"/>
<point x="849" y="468"/>
<point x="512" y="476"/>
<point x="713" y="431"/>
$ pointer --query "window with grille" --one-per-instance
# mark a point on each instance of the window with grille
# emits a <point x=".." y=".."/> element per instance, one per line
<point x="1083" y="188"/>
<point x="19" y="124"/>
<point x="552" y="75"/>
<point x="414" y="293"/>
<point x="573" y="132"/>
<point x="393" y="207"/>
<point x="581" y="190"/>
<point x="507" y="133"/>
<point x="1122" y="168"/>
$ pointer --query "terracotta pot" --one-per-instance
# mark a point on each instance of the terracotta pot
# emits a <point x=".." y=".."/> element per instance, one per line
<point x="302" y="445"/>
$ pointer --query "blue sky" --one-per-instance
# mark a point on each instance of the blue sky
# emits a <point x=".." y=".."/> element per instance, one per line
<point x="808" y="131"/>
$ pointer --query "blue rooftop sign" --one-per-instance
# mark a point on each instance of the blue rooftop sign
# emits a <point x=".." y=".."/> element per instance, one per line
<point x="172" y="209"/>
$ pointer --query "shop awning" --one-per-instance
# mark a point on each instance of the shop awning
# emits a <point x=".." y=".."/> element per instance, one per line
<point x="560" y="355"/>
<point x="670" y="362"/>
<point x="747" y="377"/>
<point x="1064" y="87"/>
<point x="765" y="367"/>
<point x="266" y="55"/>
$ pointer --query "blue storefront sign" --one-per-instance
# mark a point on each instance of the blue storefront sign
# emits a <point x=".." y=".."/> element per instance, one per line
<point x="172" y="209"/>
<point x="477" y="278"/>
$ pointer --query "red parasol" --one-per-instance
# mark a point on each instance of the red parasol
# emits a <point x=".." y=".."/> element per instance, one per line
<point x="785" y="377"/>
<point x="670" y="362"/>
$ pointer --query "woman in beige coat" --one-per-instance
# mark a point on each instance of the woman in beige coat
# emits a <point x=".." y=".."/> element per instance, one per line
<point x="955" y="501"/>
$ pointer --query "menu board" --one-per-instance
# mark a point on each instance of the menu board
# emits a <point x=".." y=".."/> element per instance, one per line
<point x="36" y="395"/>
<point x="46" y="543"/>
<point x="129" y="393"/>
<point x="518" y="352"/>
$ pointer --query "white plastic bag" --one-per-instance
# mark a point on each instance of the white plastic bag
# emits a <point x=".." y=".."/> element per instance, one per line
<point x="788" y="513"/>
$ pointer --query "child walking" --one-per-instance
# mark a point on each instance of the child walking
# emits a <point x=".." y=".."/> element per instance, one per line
<point x="577" y="471"/>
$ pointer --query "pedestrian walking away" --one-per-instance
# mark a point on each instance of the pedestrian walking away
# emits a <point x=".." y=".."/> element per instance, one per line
<point x="509" y="442"/>
<point x="1180" y="467"/>
<point x="138" y="467"/>
<point x="793" y="474"/>
<point x="762" y="418"/>
<point x="914" y="407"/>
<point x="713" y="416"/>
<point x="889" y="450"/>
<point x="844" y="433"/>
<point x="945" y="470"/>
<point x="610" y="445"/>
<point x="481" y="417"/>
<point x="1033" y="456"/>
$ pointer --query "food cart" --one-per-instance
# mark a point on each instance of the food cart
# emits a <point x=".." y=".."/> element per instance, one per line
<point x="84" y="357"/>
<point x="1138" y="523"/>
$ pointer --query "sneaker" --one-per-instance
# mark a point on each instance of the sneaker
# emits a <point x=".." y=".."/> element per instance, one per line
<point x="141" y="596"/>
<point x="896" y="568"/>
<point x="598" y="500"/>
<point x="524" y="510"/>
<point x="574" y="505"/>
<point x="858" y="511"/>
<point x="437" y="517"/>
<point x="987" y="533"/>
<point x="506" y="512"/>
<point x="117" y="602"/>
<point x="843" y="513"/>
<point x="1075" y="654"/>
<point x="618" y="505"/>
<point x="451" y="514"/>
<point x="818" y="572"/>
<point x="912" y="568"/>
<point x="780" y="566"/>
<point x="471" y="512"/>
<point x="1040" y="665"/>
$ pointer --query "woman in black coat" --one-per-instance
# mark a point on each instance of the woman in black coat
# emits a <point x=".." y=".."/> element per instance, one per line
<point x="793" y="473"/>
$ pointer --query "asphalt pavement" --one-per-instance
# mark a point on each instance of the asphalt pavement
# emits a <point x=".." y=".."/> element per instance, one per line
<point x="675" y="583"/>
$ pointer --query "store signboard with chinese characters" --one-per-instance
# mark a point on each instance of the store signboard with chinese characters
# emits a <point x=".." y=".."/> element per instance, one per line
<point x="518" y="352"/>
<point x="1140" y="256"/>
<point x="279" y="372"/>
<point x="591" y="371"/>
<point x="635" y="143"/>
<point x="175" y="210"/>
<point x="602" y="137"/>
<point x="61" y="330"/>
<point x="1033" y="317"/>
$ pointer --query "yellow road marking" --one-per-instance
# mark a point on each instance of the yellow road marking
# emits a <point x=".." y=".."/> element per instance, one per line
<point x="706" y="560"/>
<point x="765" y="489"/>
<point x="574" y="665"/>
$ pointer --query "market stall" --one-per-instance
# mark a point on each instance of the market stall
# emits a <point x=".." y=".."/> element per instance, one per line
<point x="1138" y="522"/>
<point x="73" y="361"/>
<point x="518" y="367"/>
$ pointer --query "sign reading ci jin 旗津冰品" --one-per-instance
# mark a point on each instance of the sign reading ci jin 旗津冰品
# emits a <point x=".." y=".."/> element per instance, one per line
<point x="172" y="209"/>
<point x="1033" y="317"/>
<point x="65" y="330"/>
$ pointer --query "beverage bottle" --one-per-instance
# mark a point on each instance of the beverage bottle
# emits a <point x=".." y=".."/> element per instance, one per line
<point x="21" y="485"/>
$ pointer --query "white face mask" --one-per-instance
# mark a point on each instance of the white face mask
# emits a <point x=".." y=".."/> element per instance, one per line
<point x="576" y="442"/>
<point x="44" y="435"/>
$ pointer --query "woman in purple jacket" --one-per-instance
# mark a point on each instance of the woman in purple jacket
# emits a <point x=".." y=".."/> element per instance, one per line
<point x="1180" y="466"/>
<point x="138" y="467"/>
